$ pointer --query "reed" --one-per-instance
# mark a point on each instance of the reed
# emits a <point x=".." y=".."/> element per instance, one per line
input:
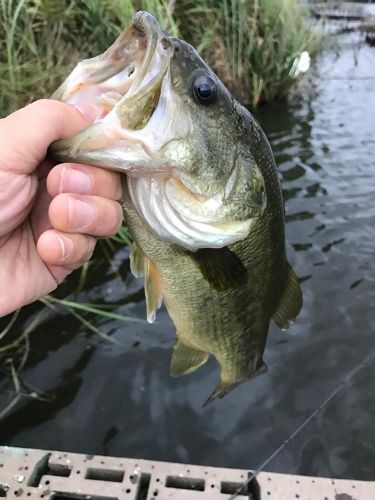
<point x="42" y="40"/>
<point x="251" y="44"/>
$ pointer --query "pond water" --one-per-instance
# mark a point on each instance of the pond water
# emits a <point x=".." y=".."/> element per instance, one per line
<point x="119" y="399"/>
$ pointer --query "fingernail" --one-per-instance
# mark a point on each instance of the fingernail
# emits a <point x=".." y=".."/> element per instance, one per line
<point x="74" y="181"/>
<point x="90" y="111"/>
<point x="81" y="214"/>
<point x="66" y="245"/>
<point x="90" y="247"/>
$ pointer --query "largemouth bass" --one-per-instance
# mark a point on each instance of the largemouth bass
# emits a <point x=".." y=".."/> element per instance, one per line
<point x="202" y="198"/>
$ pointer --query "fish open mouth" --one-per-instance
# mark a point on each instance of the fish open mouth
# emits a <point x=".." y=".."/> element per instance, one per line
<point x="140" y="116"/>
<point x="126" y="79"/>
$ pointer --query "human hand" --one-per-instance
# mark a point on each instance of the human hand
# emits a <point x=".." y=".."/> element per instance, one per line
<point x="50" y="216"/>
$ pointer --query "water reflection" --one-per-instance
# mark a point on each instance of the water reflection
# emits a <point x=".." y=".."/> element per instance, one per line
<point x="120" y="399"/>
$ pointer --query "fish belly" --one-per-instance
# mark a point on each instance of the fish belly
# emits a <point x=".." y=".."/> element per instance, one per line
<point x="231" y="325"/>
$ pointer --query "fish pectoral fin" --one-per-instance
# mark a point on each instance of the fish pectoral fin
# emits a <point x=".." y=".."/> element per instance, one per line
<point x="290" y="302"/>
<point x="186" y="359"/>
<point x="136" y="261"/>
<point x="220" y="267"/>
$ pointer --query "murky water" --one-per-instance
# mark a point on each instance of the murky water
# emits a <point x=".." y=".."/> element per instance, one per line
<point x="120" y="400"/>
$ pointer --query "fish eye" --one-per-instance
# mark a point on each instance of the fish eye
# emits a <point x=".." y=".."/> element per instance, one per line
<point x="204" y="89"/>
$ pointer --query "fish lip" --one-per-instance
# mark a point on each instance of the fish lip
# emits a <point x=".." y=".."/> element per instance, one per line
<point x="145" y="22"/>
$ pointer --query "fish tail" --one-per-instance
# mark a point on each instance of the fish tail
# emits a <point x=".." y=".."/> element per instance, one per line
<point x="220" y="391"/>
<point x="224" y="387"/>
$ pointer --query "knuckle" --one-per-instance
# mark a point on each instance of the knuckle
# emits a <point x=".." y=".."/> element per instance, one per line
<point x="49" y="107"/>
<point x="43" y="102"/>
<point x="41" y="105"/>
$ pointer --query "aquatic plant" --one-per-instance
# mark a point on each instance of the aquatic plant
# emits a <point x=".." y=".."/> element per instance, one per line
<point x="252" y="44"/>
<point x="42" y="40"/>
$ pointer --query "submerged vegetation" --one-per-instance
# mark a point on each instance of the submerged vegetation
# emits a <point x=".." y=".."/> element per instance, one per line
<point x="252" y="44"/>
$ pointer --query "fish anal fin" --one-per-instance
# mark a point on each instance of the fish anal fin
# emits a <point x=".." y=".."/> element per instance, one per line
<point x="220" y="267"/>
<point x="290" y="302"/>
<point x="186" y="359"/>
<point x="153" y="292"/>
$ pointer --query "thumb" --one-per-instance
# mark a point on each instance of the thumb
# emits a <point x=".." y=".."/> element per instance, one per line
<point x="26" y="134"/>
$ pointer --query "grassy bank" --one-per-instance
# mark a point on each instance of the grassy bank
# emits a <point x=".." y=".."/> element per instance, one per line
<point x="251" y="44"/>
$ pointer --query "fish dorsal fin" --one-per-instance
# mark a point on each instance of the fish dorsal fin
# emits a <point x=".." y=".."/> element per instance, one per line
<point x="136" y="261"/>
<point x="186" y="359"/>
<point x="220" y="267"/>
<point x="290" y="302"/>
<point x="140" y="266"/>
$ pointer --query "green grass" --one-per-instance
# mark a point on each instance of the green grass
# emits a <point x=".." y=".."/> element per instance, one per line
<point x="42" y="40"/>
<point x="250" y="43"/>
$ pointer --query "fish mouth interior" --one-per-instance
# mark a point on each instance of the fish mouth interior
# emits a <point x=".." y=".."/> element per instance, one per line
<point x="128" y="70"/>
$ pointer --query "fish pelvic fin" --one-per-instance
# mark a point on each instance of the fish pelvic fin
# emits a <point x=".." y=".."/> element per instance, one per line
<point x="186" y="359"/>
<point x="224" y="387"/>
<point x="290" y="302"/>
<point x="140" y="266"/>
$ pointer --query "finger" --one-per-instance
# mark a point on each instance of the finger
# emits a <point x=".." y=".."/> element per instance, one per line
<point x="65" y="250"/>
<point x="26" y="134"/>
<point x="92" y="215"/>
<point x="84" y="179"/>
